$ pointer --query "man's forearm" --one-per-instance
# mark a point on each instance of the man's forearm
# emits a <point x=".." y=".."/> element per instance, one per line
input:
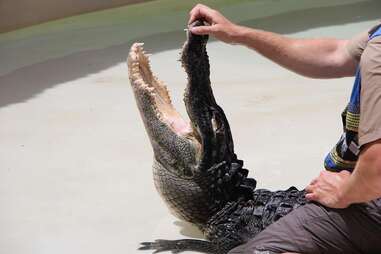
<point x="365" y="182"/>
<point x="317" y="58"/>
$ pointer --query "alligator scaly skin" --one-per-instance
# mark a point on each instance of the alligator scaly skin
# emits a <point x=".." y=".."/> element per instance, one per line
<point x="239" y="211"/>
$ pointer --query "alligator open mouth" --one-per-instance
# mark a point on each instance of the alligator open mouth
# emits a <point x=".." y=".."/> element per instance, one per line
<point x="208" y="131"/>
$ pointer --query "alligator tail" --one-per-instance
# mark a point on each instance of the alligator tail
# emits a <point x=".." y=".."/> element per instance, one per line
<point x="178" y="246"/>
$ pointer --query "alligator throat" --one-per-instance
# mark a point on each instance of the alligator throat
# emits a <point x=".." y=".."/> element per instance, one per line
<point x="195" y="169"/>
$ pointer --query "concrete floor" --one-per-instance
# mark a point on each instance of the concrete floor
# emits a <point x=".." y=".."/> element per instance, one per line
<point x="75" y="173"/>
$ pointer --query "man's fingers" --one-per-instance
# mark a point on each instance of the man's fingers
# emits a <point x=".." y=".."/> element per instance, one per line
<point x="201" y="11"/>
<point x="309" y="188"/>
<point x="311" y="197"/>
<point x="201" y="30"/>
<point x="195" y="13"/>
<point x="314" y="181"/>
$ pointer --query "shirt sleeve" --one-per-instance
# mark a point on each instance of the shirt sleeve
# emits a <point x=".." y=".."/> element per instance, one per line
<point x="357" y="44"/>
<point x="370" y="102"/>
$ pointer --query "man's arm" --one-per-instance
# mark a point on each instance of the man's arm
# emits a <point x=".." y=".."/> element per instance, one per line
<point x="316" y="58"/>
<point x="339" y="190"/>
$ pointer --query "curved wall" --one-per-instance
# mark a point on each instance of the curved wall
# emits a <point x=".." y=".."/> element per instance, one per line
<point x="22" y="13"/>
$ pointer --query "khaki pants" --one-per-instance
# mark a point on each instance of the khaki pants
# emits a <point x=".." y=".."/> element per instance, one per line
<point x="316" y="229"/>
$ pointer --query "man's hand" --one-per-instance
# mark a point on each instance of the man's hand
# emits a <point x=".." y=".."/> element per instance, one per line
<point x="220" y="27"/>
<point x="328" y="189"/>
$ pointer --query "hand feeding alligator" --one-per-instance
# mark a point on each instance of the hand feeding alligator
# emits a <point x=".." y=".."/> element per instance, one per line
<point x="195" y="168"/>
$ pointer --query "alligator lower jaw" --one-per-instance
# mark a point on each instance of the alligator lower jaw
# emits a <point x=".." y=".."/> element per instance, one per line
<point x="148" y="87"/>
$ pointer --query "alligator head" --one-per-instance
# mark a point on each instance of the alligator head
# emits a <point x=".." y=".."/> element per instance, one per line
<point x="195" y="168"/>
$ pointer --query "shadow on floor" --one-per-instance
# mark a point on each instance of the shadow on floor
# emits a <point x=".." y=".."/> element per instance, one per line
<point x="25" y="83"/>
<point x="188" y="230"/>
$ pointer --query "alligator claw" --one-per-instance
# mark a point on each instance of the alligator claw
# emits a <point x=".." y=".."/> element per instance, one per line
<point x="161" y="246"/>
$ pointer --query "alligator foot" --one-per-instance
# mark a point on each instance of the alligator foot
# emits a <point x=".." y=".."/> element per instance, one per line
<point x="178" y="246"/>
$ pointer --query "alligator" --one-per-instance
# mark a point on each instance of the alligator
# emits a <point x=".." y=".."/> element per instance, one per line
<point x="195" y="169"/>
